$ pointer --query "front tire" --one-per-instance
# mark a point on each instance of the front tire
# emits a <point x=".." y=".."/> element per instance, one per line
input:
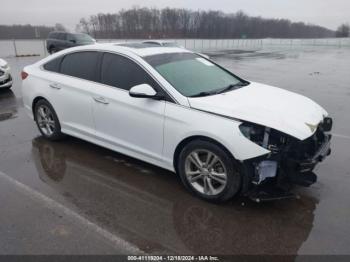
<point x="53" y="50"/>
<point x="209" y="171"/>
<point x="47" y="121"/>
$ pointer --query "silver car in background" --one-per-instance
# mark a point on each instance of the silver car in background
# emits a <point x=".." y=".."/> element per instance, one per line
<point x="5" y="76"/>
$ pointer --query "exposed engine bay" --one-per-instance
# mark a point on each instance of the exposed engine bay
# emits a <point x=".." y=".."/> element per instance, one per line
<point x="290" y="161"/>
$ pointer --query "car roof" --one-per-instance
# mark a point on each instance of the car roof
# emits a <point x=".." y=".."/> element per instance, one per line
<point x="64" y="32"/>
<point x="58" y="32"/>
<point x="138" y="48"/>
<point x="161" y="42"/>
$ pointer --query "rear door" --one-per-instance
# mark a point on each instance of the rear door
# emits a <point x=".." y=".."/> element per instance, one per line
<point x="61" y="41"/>
<point x="70" y="91"/>
<point x="133" y="126"/>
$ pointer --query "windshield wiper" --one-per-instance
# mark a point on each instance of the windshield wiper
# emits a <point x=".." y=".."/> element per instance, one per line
<point x="203" y="94"/>
<point x="231" y="86"/>
<point x="225" y="89"/>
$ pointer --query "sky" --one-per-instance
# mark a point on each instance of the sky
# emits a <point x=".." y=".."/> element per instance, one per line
<point x="327" y="13"/>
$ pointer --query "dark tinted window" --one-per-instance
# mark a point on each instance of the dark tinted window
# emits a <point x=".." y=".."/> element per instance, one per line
<point x="70" y="37"/>
<point x="61" y="36"/>
<point x="82" y="65"/>
<point x="53" y="65"/>
<point x="123" y="73"/>
<point x="52" y="35"/>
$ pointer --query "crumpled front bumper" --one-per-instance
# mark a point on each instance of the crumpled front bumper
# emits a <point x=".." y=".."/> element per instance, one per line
<point x="309" y="164"/>
<point x="5" y="81"/>
<point x="264" y="181"/>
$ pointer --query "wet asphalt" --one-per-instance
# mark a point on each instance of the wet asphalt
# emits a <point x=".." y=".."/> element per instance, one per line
<point x="73" y="197"/>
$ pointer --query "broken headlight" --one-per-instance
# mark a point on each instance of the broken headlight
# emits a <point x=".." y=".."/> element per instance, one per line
<point x="253" y="132"/>
<point x="266" y="137"/>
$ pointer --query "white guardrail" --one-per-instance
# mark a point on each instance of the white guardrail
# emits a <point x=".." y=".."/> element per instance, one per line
<point x="11" y="48"/>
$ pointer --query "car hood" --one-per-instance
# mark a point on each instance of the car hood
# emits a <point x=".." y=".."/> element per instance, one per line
<point x="288" y="112"/>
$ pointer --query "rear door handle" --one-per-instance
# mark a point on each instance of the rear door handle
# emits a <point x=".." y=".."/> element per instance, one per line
<point x="55" y="86"/>
<point x="101" y="100"/>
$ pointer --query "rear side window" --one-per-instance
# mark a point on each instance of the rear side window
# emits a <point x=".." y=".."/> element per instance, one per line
<point x="52" y="35"/>
<point x="53" y="65"/>
<point x="61" y="36"/>
<point x="123" y="73"/>
<point x="82" y="65"/>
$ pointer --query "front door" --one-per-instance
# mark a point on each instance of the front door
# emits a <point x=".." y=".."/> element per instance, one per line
<point x="133" y="126"/>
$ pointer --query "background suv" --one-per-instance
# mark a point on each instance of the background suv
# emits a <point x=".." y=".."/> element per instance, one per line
<point x="57" y="41"/>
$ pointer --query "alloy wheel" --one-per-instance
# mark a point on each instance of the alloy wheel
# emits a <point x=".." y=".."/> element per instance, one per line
<point x="206" y="172"/>
<point x="45" y="120"/>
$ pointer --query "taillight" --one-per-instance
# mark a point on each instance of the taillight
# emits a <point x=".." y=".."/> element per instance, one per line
<point x="24" y="75"/>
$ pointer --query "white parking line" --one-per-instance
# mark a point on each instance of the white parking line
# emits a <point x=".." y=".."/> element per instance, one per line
<point x="52" y="204"/>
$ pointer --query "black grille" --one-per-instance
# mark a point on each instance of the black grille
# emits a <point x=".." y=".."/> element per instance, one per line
<point x="306" y="149"/>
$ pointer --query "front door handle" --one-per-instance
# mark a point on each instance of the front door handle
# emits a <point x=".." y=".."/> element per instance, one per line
<point x="101" y="100"/>
<point x="55" y="86"/>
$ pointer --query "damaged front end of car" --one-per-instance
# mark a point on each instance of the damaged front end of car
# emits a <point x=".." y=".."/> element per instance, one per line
<point x="290" y="162"/>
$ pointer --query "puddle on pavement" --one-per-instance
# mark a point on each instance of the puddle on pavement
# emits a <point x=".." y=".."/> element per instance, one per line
<point x="149" y="207"/>
<point x="8" y="105"/>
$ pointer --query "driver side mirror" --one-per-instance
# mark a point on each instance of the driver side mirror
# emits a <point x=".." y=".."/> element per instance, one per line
<point x="73" y="41"/>
<point x="143" y="91"/>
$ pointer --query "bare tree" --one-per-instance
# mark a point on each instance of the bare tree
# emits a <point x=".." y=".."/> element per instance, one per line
<point x="175" y="23"/>
<point x="24" y="31"/>
<point x="60" y="27"/>
<point x="343" y="31"/>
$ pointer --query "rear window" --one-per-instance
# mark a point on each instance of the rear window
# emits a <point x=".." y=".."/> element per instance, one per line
<point x="82" y="65"/>
<point x="53" y="65"/>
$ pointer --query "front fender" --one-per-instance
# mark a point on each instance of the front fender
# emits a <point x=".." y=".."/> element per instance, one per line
<point x="184" y="122"/>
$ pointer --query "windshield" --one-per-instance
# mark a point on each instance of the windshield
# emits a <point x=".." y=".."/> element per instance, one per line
<point x="193" y="75"/>
<point x="83" y="38"/>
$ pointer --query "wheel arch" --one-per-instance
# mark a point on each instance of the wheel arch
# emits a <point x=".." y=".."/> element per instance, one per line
<point x="35" y="101"/>
<point x="189" y="139"/>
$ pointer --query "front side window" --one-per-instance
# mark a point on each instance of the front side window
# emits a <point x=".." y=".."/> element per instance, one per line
<point x="82" y="38"/>
<point x="121" y="72"/>
<point x="70" y="37"/>
<point x="193" y="75"/>
<point x="82" y="65"/>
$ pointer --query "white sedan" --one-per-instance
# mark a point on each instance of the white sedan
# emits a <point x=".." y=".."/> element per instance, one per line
<point x="5" y="75"/>
<point x="181" y="111"/>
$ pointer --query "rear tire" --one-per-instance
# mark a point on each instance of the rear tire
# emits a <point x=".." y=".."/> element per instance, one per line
<point x="209" y="171"/>
<point x="47" y="121"/>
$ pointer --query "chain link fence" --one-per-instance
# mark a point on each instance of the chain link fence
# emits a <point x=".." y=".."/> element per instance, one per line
<point x="11" y="48"/>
